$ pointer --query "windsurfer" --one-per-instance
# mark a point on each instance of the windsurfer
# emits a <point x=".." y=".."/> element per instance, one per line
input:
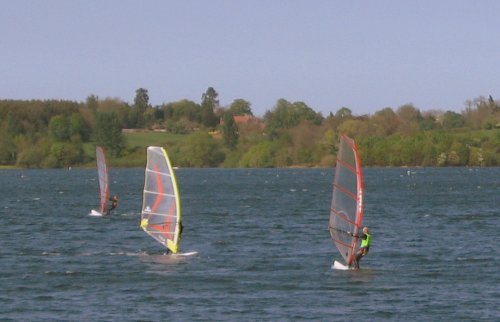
<point x="181" y="227"/>
<point x="114" y="204"/>
<point x="366" y="240"/>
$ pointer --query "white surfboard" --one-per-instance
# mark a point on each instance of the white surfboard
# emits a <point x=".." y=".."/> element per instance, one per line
<point x="340" y="266"/>
<point x="95" y="213"/>
<point x="186" y="254"/>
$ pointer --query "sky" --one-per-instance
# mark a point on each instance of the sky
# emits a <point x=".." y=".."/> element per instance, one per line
<point x="363" y="55"/>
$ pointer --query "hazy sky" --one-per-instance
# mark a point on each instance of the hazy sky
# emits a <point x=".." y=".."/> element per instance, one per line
<point x="365" y="55"/>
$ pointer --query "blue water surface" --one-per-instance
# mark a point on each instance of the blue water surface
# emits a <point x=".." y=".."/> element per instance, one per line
<point x="264" y="251"/>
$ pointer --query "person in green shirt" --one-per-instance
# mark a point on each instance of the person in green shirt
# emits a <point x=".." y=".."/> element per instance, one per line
<point x="366" y="240"/>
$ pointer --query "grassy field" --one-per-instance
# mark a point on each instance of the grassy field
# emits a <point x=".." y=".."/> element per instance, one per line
<point x="137" y="142"/>
<point x="8" y="167"/>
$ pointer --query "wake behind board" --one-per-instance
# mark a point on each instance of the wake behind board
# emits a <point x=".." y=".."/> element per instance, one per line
<point x="340" y="266"/>
<point x="186" y="254"/>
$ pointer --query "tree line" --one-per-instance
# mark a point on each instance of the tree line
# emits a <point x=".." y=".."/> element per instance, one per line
<point x="54" y="133"/>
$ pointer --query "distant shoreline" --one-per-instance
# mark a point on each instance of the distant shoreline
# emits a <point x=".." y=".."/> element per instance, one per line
<point x="4" y="167"/>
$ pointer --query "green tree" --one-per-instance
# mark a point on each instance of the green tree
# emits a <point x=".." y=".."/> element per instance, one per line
<point x="201" y="150"/>
<point x="229" y="131"/>
<point x="452" y="120"/>
<point x="141" y="104"/>
<point x="240" y="107"/>
<point x="385" y="122"/>
<point x="306" y="148"/>
<point x="259" y="156"/>
<point x="66" y="154"/>
<point x="141" y="100"/>
<point x="7" y="147"/>
<point x="343" y="113"/>
<point x="329" y="141"/>
<point x="31" y="157"/>
<point x="409" y="118"/>
<point x="78" y="127"/>
<point x="92" y="102"/>
<point x="149" y="118"/>
<point x="458" y="154"/>
<point x="184" y="109"/>
<point x="428" y="122"/>
<point x="286" y="115"/>
<point x="209" y="103"/>
<point x="108" y="133"/>
<point x="13" y="123"/>
<point x="59" y="128"/>
<point x="353" y="127"/>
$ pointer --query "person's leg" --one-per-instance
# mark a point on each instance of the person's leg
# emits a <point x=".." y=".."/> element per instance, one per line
<point x="358" y="257"/>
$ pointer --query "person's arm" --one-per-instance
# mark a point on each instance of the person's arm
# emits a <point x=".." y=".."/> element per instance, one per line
<point x="362" y="236"/>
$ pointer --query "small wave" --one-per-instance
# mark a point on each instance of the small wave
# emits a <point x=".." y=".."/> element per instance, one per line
<point x="60" y="272"/>
<point x="465" y="218"/>
<point x="475" y="259"/>
<point x="136" y="254"/>
<point x="112" y="254"/>
<point x="129" y="254"/>
<point x="44" y="298"/>
<point x="130" y="214"/>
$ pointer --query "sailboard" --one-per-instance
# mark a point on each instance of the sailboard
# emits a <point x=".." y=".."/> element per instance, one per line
<point x="102" y="171"/>
<point x="346" y="211"/>
<point x="161" y="206"/>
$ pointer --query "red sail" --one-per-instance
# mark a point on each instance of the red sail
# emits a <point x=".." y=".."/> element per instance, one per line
<point x="346" y="212"/>
<point x="102" y="171"/>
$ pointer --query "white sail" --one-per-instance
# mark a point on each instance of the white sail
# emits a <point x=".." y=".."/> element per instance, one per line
<point x="102" y="171"/>
<point x="161" y="209"/>
<point x="346" y="211"/>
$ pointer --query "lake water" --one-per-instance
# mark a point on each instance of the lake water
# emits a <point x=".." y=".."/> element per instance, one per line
<point x="264" y="251"/>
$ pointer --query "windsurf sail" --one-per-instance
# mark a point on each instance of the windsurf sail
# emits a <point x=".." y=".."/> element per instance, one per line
<point x="161" y="208"/>
<point x="346" y="211"/>
<point x="102" y="171"/>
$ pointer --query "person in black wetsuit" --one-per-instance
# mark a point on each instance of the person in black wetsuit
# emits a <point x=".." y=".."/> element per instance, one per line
<point x="114" y="204"/>
<point x="181" y="227"/>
